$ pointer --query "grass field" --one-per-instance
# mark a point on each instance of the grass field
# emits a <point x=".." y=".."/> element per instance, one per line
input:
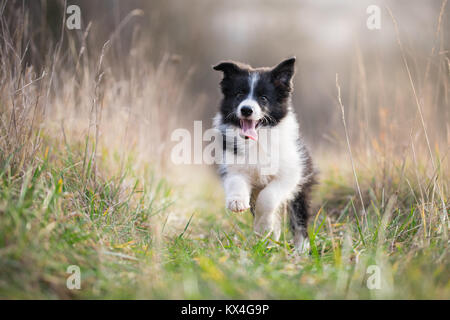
<point x="56" y="213"/>
<point x="77" y="187"/>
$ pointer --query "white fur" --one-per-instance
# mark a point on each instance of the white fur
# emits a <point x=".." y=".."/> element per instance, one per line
<point x="301" y="243"/>
<point x="250" y="100"/>
<point x="272" y="190"/>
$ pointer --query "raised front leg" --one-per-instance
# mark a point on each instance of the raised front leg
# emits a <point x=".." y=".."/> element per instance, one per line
<point x="237" y="192"/>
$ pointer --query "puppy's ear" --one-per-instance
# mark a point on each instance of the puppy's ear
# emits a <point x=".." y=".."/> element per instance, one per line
<point x="282" y="73"/>
<point x="228" y="68"/>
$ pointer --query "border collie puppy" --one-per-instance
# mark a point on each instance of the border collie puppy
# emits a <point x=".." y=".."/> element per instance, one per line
<point x="257" y="100"/>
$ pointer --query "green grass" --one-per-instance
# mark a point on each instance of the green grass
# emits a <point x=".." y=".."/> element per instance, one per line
<point x="56" y="212"/>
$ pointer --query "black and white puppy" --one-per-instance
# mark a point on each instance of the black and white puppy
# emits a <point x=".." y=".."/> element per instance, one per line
<point x="257" y="100"/>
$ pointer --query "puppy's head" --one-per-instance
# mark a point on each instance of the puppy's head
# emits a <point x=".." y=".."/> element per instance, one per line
<point x="254" y="98"/>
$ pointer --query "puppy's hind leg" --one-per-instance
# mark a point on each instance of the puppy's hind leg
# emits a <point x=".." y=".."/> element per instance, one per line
<point x="298" y="209"/>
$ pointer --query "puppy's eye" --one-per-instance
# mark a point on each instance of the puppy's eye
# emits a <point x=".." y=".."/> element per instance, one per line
<point x="263" y="100"/>
<point x="240" y="94"/>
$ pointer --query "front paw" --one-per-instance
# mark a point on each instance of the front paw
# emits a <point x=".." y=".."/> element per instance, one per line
<point x="238" y="203"/>
<point x="267" y="227"/>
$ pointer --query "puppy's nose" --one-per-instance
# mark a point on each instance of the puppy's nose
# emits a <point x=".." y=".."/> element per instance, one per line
<point x="246" y="111"/>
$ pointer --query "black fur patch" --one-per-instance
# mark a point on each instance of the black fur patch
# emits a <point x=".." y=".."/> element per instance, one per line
<point x="273" y="90"/>
<point x="298" y="208"/>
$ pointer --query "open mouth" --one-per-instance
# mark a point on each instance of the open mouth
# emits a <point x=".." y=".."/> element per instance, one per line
<point x="248" y="128"/>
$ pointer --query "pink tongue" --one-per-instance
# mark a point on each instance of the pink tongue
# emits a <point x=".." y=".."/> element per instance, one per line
<point x="248" y="129"/>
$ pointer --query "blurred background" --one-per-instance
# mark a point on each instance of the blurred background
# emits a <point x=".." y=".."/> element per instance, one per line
<point x="185" y="38"/>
